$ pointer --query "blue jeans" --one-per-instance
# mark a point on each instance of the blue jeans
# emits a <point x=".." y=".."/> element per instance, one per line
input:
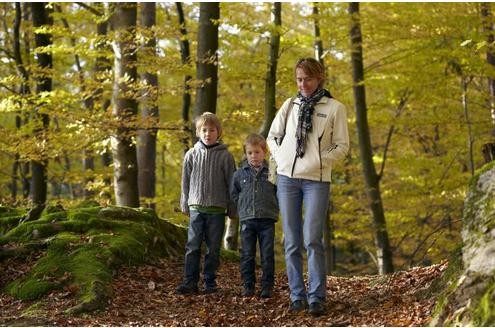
<point x="251" y="231"/>
<point x="292" y="193"/>
<point x="207" y="227"/>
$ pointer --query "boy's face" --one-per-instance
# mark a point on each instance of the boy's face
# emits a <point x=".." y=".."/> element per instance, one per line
<point x="208" y="134"/>
<point x="255" y="155"/>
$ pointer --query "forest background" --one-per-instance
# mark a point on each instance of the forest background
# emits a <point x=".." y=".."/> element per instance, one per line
<point x="427" y="81"/>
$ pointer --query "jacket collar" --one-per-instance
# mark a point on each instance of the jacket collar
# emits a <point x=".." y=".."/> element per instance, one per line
<point x="245" y="165"/>
<point x="323" y="100"/>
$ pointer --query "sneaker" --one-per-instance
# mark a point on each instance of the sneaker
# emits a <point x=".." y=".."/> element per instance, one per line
<point x="316" y="309"/>
<point x="248" y="291"/>
<point x="187" y="289"/>
<point x="266" y="292"/>
<point x="298" y="306"/>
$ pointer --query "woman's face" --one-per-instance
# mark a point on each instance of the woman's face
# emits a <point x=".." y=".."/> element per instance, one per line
<point x="306" y="84"/>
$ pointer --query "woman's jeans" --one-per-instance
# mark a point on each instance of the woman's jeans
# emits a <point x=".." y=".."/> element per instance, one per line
<point x="251" y="231"/>
<point x="207" y="227"/>
<point x="292" y="193"/>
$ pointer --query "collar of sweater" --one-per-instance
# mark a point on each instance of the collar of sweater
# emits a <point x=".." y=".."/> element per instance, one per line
<point x="218" y="146"/>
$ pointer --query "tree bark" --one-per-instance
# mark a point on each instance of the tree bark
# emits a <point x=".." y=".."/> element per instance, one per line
<point x="185" y="55"/>
<point x="384" y="252"/>
<point x="125" y="106"/>
<point x="207" y="58"/>
<point x="271" y="73"/>
<point x="18" y="166"/>
<point x="318" y="42"/>
<point x="146" y="150"/>
<point x="328" y="232"/>
<point x="488" y="149"/>
<point x="40" y="16"/>
<point x="464" y="85"/>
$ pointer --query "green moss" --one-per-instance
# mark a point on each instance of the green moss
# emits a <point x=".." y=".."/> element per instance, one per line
<point x="85" y="245"/>
<point x="484" y="312"/>
<point x="446" y="284"/>
<point x="229" y="255"/>
<point x="30" y="289"/>
<point x="87" y="203"/>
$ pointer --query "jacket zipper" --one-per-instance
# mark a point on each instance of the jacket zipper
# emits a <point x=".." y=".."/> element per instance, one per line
<point x="319" y="156"/>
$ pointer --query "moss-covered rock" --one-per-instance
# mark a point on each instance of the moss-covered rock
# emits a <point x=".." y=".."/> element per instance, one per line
<point x="83" y="247"/>
<point x="469" y="296"/>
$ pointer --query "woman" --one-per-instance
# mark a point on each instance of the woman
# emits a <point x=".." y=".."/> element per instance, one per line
<point x="307" y="135"/>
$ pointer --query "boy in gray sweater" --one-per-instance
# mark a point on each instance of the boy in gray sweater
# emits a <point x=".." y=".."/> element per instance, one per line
<point x="206" y="173"/>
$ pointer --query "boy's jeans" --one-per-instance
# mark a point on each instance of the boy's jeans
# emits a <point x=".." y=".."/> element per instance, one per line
<point x="315" y="195"/>
<point x="207" y="227"/>
<point x="251" y="231"/>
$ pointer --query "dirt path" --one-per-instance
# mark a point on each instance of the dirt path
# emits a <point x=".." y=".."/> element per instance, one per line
<point x="144" y="296"/>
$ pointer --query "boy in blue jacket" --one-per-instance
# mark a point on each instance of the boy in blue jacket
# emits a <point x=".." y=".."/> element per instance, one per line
<point x="257" y="205"/>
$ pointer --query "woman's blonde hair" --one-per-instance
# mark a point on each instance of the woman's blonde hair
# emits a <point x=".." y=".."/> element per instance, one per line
<point x="313" y="68"/>
<point x="208" y="118"/>
<point x="254" y="139"/>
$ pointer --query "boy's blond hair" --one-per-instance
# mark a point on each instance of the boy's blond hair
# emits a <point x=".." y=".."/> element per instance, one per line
<point x="255" y="139"/>
<point x="208" y="118"/>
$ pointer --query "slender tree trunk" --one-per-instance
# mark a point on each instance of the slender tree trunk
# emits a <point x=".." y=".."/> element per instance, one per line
<point x="103" y="67"/>
<point x="124" y="106"/>
<point x="207" y="58"/>
<point x="488" y="149"/>
<point x="318" y="42"/>
<point x="146" y="150"/>
<point x="185" y="55"/>
<point x="41" y="17"/>
<point x="328" y="232"/>
<point x="464" y="85"/>
<point x="24" y="90"/>
<point x="384" y="252"/>
<point x="271" y="73"/>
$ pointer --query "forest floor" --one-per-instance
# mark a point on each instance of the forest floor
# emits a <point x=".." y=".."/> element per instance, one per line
<point x="144" y="296"/>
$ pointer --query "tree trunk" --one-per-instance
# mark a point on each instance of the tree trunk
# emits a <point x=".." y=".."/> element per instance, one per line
<point x="207" y="58"/>
<point x="102" y="66"/>
<point x="489" y="148"/>
<point x="185" y="55"/>
<point x="146" y="150"/>
<point x="464" y="85"/>
<point x="318" y="42"/>
<point x="124" y="106"/>
<point x="384" y="252"/>
<point x="271" y="74"/>
<point x="41" y="17"/>
<point x="17" y="167"/>
<point x="327" y="233"/>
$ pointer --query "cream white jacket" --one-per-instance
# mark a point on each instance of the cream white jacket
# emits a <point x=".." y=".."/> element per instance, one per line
<point x="327" y="142"/>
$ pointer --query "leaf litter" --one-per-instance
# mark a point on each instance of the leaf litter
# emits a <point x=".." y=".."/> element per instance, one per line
<point x="145" y="296"/>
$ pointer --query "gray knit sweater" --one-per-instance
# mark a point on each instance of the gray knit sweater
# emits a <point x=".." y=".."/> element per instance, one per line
<point x="206" y="175"/>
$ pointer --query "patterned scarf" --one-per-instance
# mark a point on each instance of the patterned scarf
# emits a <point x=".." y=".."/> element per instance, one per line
<point x="305" y="119"/>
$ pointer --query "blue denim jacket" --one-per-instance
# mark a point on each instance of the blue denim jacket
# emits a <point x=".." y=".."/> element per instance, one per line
<point x="254" y="194"/>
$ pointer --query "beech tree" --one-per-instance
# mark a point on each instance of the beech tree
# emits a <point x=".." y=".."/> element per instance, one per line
<point x="41" y="19"/>
<point x="271" y="72"/>
<point x="384" y="253"/>
<point x="125" y="105"/>
<point x="207" y="59"/>
<point x="146" y="150"/>
<point x="185" y="55"/>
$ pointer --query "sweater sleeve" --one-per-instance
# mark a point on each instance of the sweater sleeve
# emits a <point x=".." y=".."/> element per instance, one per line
<point x="185" y="183"/>
<point x="234" y="188"/>
<point x="340" y="137"/>
<point x="229" y="173"/>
